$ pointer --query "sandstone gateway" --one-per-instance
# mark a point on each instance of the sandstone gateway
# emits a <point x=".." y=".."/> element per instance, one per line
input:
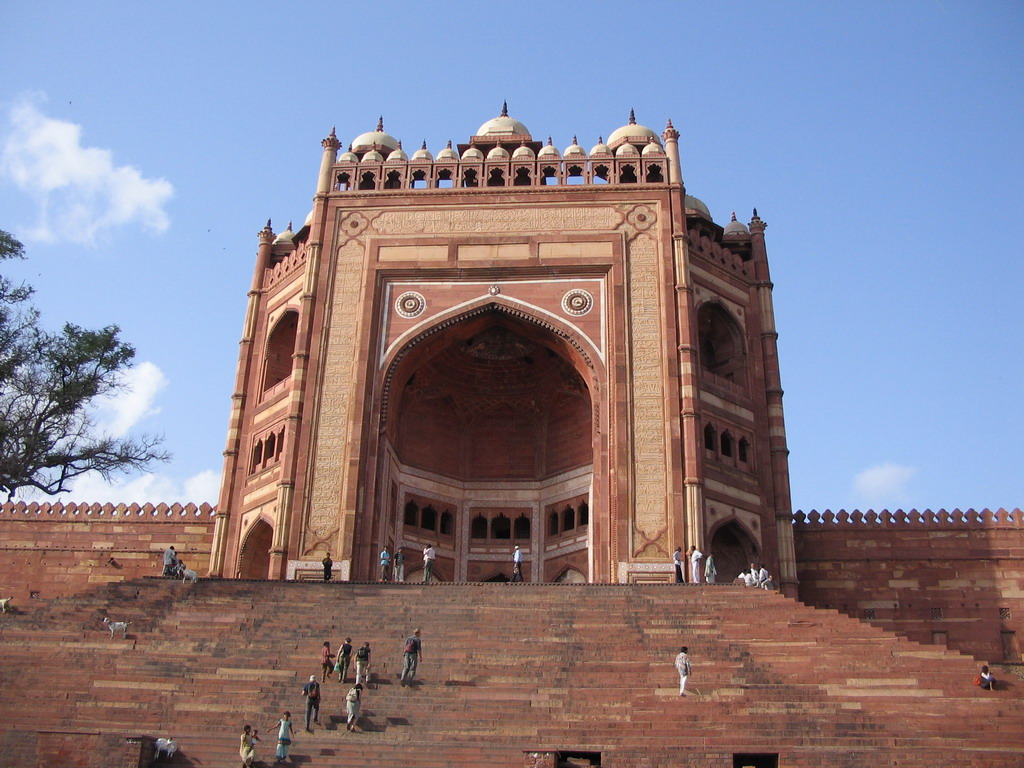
<point x="493" y="344"/>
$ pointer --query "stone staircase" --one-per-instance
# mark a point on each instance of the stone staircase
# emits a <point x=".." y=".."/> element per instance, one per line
<point x="508" y="670"/>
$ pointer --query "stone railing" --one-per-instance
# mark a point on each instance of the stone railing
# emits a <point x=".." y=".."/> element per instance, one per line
<point x="51" y="511"/>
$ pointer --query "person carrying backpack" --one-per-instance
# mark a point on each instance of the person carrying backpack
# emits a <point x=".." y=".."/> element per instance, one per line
<point x="353" y="700"/>
<point x="311" y="691"/>
<point x="412" y="657"/>
<point x="363" y="663"/>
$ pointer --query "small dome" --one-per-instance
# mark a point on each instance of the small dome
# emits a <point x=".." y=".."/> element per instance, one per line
<point x="652" y="148"/>
<point x="373" y="156"/>
<point x="309" y="219"/>
<point x="503" y="125"/>
<point x="574" y="150"/>
<point x="348" y="157"/>
<point x="498" y="153"/>
<point x="735" y="227"/>
<point x="472" y="154"/>
<point x="549" y="150"/>
<point x="287" y="235"/>
<point x="692" y="203"/>
<point x="422" y="154"/>
<point x="632" y="132"/>
<point x="600" y="148"/>
<point x="447" y="153"/>
<point x="398" y="154"/>
<point x="626" y="150"/>
<point x="523" y="152"/>
<point x="375" y="140"/>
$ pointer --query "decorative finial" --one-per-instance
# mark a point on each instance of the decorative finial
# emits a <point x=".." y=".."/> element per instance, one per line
<point x="380" y="123"/>
<point x="755" y="214"/>
<point x="734" y="215"/>
<point x="333" y="134"/>
<point x="669" y="124"/>
<point x="424" y="144"/>
<point x="449" y="143"/>
<point x="632" y="118"/>
<point x="600" y="139"/>
<point x="350" y="146"/>
<point x="549" y="141"/>
<point x="268" y="224"/>
<point x="289" y="227"/>
<point x="504" y="109"/>
<point x="399" y="143"/>
<point x="574" y="139"/>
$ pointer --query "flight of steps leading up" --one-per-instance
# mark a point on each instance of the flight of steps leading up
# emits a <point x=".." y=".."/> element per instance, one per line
<point x="507" y="669"/>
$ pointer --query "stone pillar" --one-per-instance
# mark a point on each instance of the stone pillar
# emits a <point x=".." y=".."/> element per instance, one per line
<point x="675" y="168"/>
<point x="228" y="499"/>
<point x="781" y="503"/>
<point x="330" y="157"/>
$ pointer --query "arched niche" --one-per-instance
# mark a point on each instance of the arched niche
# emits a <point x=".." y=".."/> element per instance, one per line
<point x="720" y="339"/>
<point x="254" y="557"/>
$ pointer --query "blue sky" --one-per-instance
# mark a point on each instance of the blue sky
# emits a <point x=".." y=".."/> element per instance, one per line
<point x="143" y="145"/>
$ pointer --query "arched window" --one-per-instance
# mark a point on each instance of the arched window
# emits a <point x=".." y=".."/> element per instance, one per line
<point x="600" y="174"/>
<point x="257" y="456"/>
<point x="280" y="348"/>
<point x="744" y="450"/>
<point x="469" y="178"/>
<point x="368" y="181"/>
<point x="478" y="528"/>
<point x="721" y="343"/>
<point x="444" y="179"/>
<point x="568" y="518"/>
<point x="584" y="514"/>
<point x="574" y="174"/>
<point x="710" y="438"/>
<point x="271" y="448"/>
<point x="412" y="514"/>
<point x="496" y="178"/>
<point x="627" y="174"/>
<point x="280" y="444"/>
<point x="428" y="518"/>
<point x="446" y="523"/>
<point x="727" y="444"/>
<point x="521" y="528"/>
<point x="654" y="174"/>
<point x="393" y="180"/>
<point x="549" y="174"/>
<point x="501" y="528"/>
<point x="553" y="524"/>
<point x="522" y="178"/>
<point x="344" y="182"/>
<point x="419" y="179"/>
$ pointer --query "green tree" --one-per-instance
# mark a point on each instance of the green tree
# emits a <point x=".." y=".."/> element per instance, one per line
<point x="48" y="385"/>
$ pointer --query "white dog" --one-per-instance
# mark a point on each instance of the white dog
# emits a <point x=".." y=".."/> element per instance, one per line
<point x="187" y="574"/>
<point x="165" y="748"/>
<point x="117" y="626"/>
<point x="5" y="601"/>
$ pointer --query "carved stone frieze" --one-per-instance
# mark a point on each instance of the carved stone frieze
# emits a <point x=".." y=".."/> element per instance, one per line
<point x="490" y="220"/>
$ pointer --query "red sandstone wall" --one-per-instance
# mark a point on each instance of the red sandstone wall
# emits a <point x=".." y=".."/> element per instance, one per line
<point x="921" y="574"/>
<point x="63" y="549"/>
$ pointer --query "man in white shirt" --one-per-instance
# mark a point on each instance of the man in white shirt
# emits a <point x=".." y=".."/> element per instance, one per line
<point x="517" y="564"/>
<point x="695" y="558"/>
<point x="683" y="668"/>
<point x="429" y="554"/>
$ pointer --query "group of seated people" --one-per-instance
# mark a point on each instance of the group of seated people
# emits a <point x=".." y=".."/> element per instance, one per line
<point x="757" y="577"/>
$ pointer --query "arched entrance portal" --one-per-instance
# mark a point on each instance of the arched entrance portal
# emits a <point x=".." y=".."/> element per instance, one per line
<point x="734" y="551"/>
<point x="254" y="558"/>
<point x="488" y="443"/>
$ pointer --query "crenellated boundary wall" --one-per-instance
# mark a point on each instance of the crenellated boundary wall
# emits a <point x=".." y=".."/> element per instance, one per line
<point x="950" y="577"/>
<point x="50" y="550"/>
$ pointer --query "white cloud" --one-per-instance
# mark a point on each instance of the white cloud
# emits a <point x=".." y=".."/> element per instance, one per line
<point x="884" y="485"/>
<point x="153" y="488"/>
<point x="81" y="193"/>
<point x="122" y="410"/>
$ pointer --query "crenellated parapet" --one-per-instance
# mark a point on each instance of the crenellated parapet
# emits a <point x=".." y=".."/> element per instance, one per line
<point x="73" y="512"/>
<point x="704" y="247"/>
<point x="941" y="519"/>
<point x="284" y="268"/>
